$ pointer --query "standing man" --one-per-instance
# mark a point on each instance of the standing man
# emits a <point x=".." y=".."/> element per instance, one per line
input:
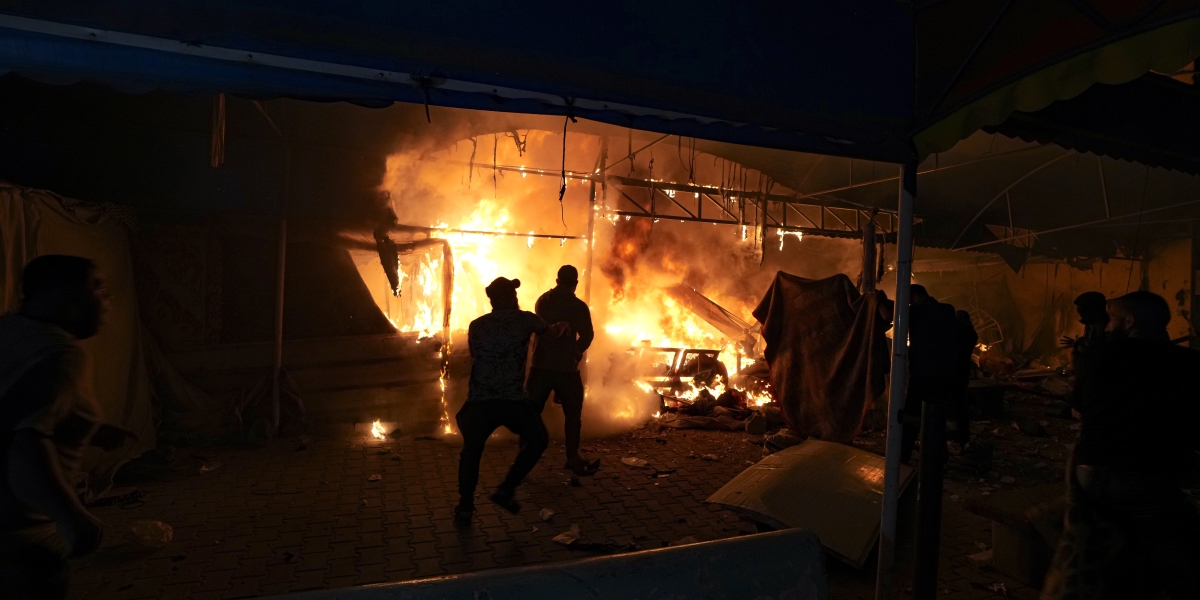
<point x="556" y="361"/>
<point x="48" y="416"/>
<point x="931" y="367"/>
<point x="965" y="338"/>
<point x="1130" y="531"/>
<point x="499" y="345"/>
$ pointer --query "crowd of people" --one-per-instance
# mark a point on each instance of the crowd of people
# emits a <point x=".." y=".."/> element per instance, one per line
<point x="1130" y="531"/>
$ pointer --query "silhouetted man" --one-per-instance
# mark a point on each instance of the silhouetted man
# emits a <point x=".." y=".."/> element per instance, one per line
<point x="1093" y="314"/>
<point x="1130" y="531"/>
<point x="965" y="338"/>
<point x="499" y="345"/>
<point x="48" y="415"/>
<point x="931" y="384"/>
<point x="931" y="365"/>
<point x="556" y="361"/>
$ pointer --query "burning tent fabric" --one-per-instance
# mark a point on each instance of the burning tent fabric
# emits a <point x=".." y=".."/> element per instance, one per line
<point x="827" y="351"/>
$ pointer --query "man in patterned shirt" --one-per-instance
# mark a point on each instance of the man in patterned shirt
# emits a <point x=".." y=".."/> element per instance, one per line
<point x="499" y="345"/>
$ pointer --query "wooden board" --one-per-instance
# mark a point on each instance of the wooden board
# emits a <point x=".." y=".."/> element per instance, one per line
<point x="833" y="490"/>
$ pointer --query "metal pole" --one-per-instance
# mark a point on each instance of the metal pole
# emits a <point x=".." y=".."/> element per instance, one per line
<point x="929" y="497"/>
<point x="891" y="474"/>
<point x="591" y="231"/>
<point x="591" y="242"/>
<point x="281" y="269"/>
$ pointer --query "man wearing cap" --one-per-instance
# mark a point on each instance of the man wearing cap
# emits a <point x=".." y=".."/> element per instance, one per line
<point x="499" y="345"/>
<point x="556" y="361"/>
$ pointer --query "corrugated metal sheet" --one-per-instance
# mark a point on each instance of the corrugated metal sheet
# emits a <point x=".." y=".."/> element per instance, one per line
<point x="834" y="490"/>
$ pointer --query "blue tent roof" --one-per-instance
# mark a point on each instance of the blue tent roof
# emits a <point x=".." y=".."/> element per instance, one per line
<point x="873" y="79"/>
<point x="788" y="75"/>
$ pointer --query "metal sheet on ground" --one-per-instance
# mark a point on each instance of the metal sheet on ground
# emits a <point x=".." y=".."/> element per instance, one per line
<point x="833" y="490"/>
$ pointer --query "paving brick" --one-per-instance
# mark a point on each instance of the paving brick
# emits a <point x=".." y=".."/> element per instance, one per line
<point x="405" y="530"/>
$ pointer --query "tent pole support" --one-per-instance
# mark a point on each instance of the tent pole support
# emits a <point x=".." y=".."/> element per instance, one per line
<point x="601" y="166"/>
<point x="899" y="377"/>
<point x="281" y="270"/>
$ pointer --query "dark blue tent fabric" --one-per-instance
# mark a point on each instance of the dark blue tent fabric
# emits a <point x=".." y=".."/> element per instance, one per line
<point x="869" y="79"/>
<point x="821" y="77"/>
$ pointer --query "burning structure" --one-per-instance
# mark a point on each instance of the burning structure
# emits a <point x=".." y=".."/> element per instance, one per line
<point x="520" y="203"/>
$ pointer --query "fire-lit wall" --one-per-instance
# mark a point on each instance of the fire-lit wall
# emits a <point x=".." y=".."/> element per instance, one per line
<point x="1169" y="275"/>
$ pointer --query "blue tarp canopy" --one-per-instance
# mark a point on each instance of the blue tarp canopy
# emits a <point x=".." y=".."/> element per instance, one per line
<point x="877" y="79"/>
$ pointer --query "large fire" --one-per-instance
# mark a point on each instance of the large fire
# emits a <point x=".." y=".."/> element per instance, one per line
<point x="515" y="227"/>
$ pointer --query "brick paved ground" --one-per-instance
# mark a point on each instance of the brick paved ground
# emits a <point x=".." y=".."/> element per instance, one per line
<point x="274" y="518"/>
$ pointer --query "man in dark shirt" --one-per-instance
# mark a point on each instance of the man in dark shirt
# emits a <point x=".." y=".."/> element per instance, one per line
<point x="48" y="416"/>
<point x="556" y="361"/>
<point x="1131" y="532"/>
<point x="931" y="365"/>
<point x="965" y="339"/>
<point x="499" y="345"/>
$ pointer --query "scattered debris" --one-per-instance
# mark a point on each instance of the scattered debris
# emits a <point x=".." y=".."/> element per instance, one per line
<point x="1008" y="479"/>
<point x="396" y="457"/>
<point x="634" y="462"/>
<point x="691" y="539"/>
<point x="710" y="457"/>
<point x="155" y="534"/>
<point x="545" y="514"/>
<point x="288" y="556"/>
<point x="115" y="496"/>
<point x="981" y="559"/>
<point x="426" y="438"/>
<point x="998" y="588"/>
<point x="646" y="434"/>
<point x="1032" y="428"/>
<point x="209" y="467"/>
<point x="375" y="477"/>
<point x="756" y="424"/>
<point x="575" y="482"/>
<point x="383" y="451"/>
<point x="395" y="434"/>
<point x="661" y="473"/>
<point x="573" y="540"/>
<point x="784" y="438"/>
<point x="567" y="538"/>
<point x="1057" y="385"/>
<point x="305" y="442"/>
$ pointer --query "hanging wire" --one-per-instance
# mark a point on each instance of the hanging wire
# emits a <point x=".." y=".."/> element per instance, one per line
<point x="1138" y="231"/>
<point x="562" y="190"/>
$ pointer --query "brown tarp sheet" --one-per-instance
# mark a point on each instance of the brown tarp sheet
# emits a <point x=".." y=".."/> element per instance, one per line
<point x="827" y="351"/>
<point x="37" y="222"/>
